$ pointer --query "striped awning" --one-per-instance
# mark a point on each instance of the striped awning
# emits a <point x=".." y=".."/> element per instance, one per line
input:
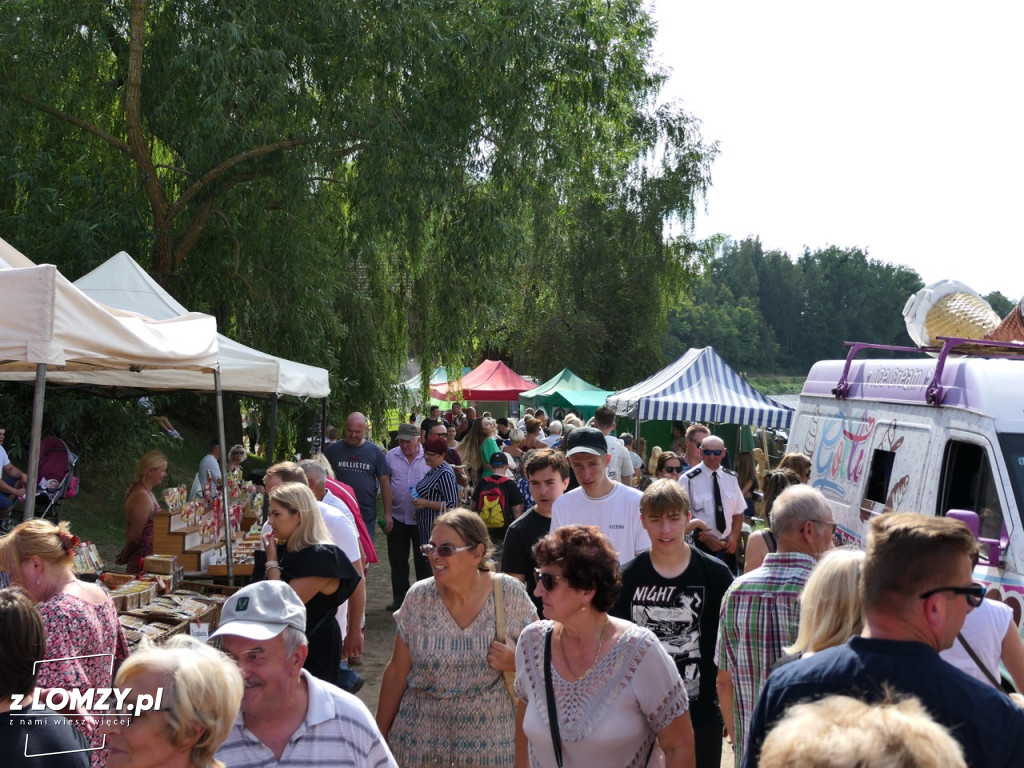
<point x="700" y="386"/>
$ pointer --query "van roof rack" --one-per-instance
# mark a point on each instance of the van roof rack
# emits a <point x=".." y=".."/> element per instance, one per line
<point x="950" y="345"/>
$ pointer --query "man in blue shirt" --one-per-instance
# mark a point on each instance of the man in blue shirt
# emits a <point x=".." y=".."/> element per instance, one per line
<point x="916" y="588"/>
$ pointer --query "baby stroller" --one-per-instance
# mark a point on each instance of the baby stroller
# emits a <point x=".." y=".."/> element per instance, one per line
<point x="57" y="480"/>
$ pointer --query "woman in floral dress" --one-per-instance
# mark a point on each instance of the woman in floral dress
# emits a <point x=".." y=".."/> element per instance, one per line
<point x="443" y="700"/>
<point x="82" y="629"/>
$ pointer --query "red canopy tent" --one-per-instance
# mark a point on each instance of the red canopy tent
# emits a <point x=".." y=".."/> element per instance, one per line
<point x="492" y="380"/>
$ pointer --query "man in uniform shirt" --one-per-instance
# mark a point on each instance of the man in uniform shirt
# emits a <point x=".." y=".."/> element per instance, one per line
<point x="716" y="498"/>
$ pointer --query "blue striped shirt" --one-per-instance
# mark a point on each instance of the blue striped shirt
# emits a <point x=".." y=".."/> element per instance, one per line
<point x="338" y="730"/>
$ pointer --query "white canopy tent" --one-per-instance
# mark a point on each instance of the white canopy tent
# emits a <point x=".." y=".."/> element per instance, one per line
<point x="120" y="282"/>
<point x="49" y="323"/>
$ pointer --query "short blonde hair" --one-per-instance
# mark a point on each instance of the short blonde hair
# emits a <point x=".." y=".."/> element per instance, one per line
<point x="849" y="732"/>
<point x="36" y="538"/>
<point x="830" y="605"/>
<point x="204" y="689"/>
<point x="299" y="500"/>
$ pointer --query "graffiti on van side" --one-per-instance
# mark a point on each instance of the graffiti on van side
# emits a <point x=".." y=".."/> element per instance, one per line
<point x="841" y="454"/>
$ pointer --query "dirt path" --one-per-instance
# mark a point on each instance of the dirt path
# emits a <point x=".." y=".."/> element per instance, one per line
<point x="380" y="635"/>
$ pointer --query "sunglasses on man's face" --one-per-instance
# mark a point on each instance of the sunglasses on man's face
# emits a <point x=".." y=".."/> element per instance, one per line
<point x="713" y="451"/>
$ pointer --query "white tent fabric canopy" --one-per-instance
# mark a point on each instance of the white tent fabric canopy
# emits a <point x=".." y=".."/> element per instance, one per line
<point x="46" y="320"/>
<point x="700" y="386"/>
<point x="49" y="323"/>
<point x="120" y="282"/>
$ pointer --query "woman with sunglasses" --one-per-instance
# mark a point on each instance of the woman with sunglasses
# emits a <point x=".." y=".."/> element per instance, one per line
<point x="235" y="458"/>
<point x="443" y="700"/>
<point x="668" y="466"/>
<point x="594" y="690"/>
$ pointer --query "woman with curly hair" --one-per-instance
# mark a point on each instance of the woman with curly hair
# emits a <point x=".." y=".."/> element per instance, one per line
<point x="594" y="690"/>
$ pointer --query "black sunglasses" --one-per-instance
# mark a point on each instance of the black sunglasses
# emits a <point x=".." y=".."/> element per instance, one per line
<point x="973" y="594"/>
<point x="713" y="451"/>
<point x="547" y="580"/>
<point x="675" y="470"/>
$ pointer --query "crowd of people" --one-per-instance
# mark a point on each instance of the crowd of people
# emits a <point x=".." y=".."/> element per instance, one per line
<point x="569" y="602"/>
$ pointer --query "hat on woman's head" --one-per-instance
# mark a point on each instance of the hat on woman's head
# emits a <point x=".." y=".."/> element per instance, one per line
<point x="261" y="611"/>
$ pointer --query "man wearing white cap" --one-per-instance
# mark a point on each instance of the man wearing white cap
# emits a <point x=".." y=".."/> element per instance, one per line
<point x="611" y="506"/>
<point x="286" y="712"/>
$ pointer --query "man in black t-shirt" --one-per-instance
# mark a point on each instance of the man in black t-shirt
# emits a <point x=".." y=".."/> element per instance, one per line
<point x="676" y="591"/>
<point x="434" y="417"/>
<point x="547" y="471"/>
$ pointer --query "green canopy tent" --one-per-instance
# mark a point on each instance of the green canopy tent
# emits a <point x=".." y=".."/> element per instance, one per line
<point x="565" y="390"/>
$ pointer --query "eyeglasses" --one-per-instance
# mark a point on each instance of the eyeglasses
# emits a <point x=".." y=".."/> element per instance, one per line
<point x="674" y="469"/>
<point x="973" y="594"/>
<point x="713" y="451"/>
<point x="830" y="523"/>
<point x="444" y="550"/>
<point x="547" y="580"/>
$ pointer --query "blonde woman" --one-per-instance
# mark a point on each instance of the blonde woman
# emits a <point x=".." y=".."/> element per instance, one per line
<point x="140" y="506"/>
<point x="200" y="692"/>
<point x="83" y="635"/>
<point x="830" y="606"/>
<point x="298" y="549"/>
<point x="479" y="445"/>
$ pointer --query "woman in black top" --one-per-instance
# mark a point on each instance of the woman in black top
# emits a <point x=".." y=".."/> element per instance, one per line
<point x="318" y="571"/>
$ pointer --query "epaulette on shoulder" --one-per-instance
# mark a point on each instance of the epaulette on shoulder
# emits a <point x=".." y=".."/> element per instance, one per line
<point x="692" y="473"/>
<point x="728" y="471"/>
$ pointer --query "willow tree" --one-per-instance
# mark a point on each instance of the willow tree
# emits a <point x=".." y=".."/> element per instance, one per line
<point x="338" y="181"/>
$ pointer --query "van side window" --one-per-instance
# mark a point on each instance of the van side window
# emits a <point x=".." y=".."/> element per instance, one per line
<point x="968" y="483"/>
<point x="877" y="489"/>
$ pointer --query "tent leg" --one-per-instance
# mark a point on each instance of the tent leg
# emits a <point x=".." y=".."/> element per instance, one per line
<point x="323" y="425"/>
<point x="225" y="501"/>
<point x="33" y="444"/>
<point x="271" y="430"/>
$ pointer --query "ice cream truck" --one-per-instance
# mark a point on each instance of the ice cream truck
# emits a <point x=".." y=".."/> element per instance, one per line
<point x="938" y="433"/>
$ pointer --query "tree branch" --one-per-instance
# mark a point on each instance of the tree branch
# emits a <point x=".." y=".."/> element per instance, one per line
<point x="114" y="141"/>
<point x="215" y="173"/>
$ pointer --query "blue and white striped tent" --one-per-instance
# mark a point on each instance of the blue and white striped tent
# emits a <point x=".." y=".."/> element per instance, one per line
<point x="700" y="386"/>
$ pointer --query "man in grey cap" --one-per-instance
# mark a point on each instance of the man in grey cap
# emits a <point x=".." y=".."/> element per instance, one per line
<point x="611" y="506"/>
<point x="408" y="467"/>
<point x="301" y="719"/>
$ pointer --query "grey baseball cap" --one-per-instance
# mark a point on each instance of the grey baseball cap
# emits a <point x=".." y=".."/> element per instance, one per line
<point x="261" y="611"/>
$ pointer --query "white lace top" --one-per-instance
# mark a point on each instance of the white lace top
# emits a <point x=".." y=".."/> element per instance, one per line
<point x="610" y="716"/>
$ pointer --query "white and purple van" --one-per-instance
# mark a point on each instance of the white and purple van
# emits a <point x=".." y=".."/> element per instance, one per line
<point x="940" y="435"/>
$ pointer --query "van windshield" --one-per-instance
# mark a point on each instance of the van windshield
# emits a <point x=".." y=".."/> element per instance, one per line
<point x="1013" y="454"/>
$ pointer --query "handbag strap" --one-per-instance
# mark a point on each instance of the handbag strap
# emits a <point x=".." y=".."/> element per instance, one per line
<point x="499" y="607"/>
<point x="556" y="738"/>
<point x="976" y="660"/>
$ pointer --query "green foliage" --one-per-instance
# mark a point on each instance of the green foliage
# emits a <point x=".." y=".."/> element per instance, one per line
<point x="765" y="313"/>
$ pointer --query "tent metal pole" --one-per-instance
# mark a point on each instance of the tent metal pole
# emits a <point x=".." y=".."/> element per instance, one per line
<point x="323" y="424"/>
<point x="272" y="430"/>
<point x="225" y="500"/>
<point x="33" y="444"/>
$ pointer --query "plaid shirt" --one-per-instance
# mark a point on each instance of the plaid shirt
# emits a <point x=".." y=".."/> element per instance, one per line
<point x="760" y="614"/>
